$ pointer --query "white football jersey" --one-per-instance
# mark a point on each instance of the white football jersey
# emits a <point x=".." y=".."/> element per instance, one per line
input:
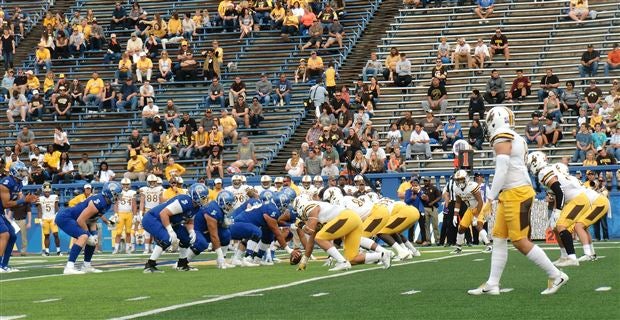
<point x="308" y="192"/>
<point x="570" y="187"/>
<point x="387" y="202"/>
<point x="260" y="189"/>
<point x="240" y="194"/>
<point x="350" y="190"/>
<point x="124" y="201"/>
<point x="592" y="195"/>
<point x="359" y="206"/>
<point x="518" y="174"/>
<point x="467" y="194"/>
<point x="327" y="211"/>
<point x="151" y="196"/>
<point x="48" y="206"/>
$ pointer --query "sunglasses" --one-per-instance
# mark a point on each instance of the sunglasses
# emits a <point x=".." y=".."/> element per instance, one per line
<point x="294" y="154"/>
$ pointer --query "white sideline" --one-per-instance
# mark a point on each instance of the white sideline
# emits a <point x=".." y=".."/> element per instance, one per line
<point x="282" y="286"/>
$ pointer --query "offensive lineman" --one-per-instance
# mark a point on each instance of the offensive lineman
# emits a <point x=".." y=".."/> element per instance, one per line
<point x="513" y="188"/>
<point x="47" y="207"/>
<point x="125" y="209"/>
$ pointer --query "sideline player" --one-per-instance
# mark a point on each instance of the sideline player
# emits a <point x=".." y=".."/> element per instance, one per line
<point x="11" y="196"/>
<point x="469" y="192"/>
<point x="238" y="190"/>
<point x="307" y="189"/>
<point x="150" y="196"/>
<point x="513" y="188"/>
<point x="47" y="208"/>
<point x="125" y="209"/>
<point x="80" y="222"/>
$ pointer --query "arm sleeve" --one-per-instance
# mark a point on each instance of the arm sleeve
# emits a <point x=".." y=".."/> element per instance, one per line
<point x="175" y="207"/>
<point x="559" y="195"/>
<point x="501" y="170"/>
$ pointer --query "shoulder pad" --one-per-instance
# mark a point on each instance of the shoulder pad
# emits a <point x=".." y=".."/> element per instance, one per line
<point x="503" y="135"/>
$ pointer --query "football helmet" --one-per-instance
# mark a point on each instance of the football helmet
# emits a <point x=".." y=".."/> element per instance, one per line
<point x="267" y="196"/>
<point x="289" y="192"/>
<point x="373" y="197"/>
<point x="46" y="187"/>
<point x="18" y="170"/>
<point x="243" y="179"/>
<point x="126" y="184"/>
<point x="199" y="193"/>
<point x="265" y="181"/>
<point x="159" y="182"/>
<point x="536" y="161"/>
<point x="151" y="180"/>
<point x="461" y="178"/>
<point x="306" y="181"/>
<point x="281" y="200"/>
<point x="111" y="190"/>
<point x="460" y="145"/>
<point x="236" y="181"/>
<point x="499" y="118"/>
<point x="332" y="195"/>
<point x="225" y="200"/>
<point x="299" y="202"/>
<point x="278" y="180"/>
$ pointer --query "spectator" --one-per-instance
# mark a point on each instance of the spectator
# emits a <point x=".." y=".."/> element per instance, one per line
<point x="171" y="114"/>
<point x="25" y="141"/>
<point x="495" y="89"/>
<point x="185" y="143"/>
<point x="549" y="82"/>
<point x="264" y="89"/>
<point x="65" y="170"/>
<point x="277" y="16"/>
<point x="534" y="130"/>
<point x="403" y="72"/>
<point x="283" y="89"/>
<point x="165" y="68"/>
<point x="462" y="53"/>
<point x="206" y="121"/>
<point x="589" y="62"/>
<point x="300" y="72"/>
<point x="436" y="97"/>
<point x="7" y="84"/>
<point x="146" y="91"/>
<point x="104" y="174"/>
<point x="295" y="165"/>
<point x="379" y="151"/>
<point x="93" y="93"/>
<point x="360" y="118"/>
<point x="614" y="143"/>
<point x="246" y="155"/>
<point x="315" y="66"/>
<point x="86" y="169"/>
<point x="77" y="43"/>
<point x="552" y="107"/>
<point x="173" y="169"/>
<point x="440" y="72"/>
<point x="327" y="17"/>
<point x="312" y="137"/>
<point x="443" y="50"/>
<point x="395" y="163"/>
<point x="313" y="163"/>
<point x="188" y="26"/>
<point x="481" y="54"/>
<point x="521" y="87"/>
<point x="290" y="25"/>
<point x="144" y="67"/>
<point x="188" y="122"/>
<point x="578" y="11"/>
<point x="62" y="104"/>
<point x="431" y="126"/>
<point x="595" y="118"/>
<point x="372" y="68"/>
<point x="201" y="142"/>
<point x="330" y="79"/>
<point x="216" y="137"/>
<point x="262" y="8"/>
<point x="61" y="141"/>
<point x="97" y="35"/>
<point x="119" y="17"/>
<point x="7" y="47"/>
<point x="552" y="132"/>
<point x="599" y="138"/>
<point x="43" y="58"/>
<point x="330" y="152"/>
<point x="148" y="113"/>
<point x="590" y="161"/>
<point x="109" y="94"/>
<point x="187" y="65"/>
<point x="330" y="168"/>
<point x="391" y="60"/>
<point x="129" y="94"/>
<point x="35" y="107"/>
<point x="407" y="118"/>
<point x="48" y="84"/>
<point x="476" y="135"/>
<point x="476" y="104"/>
<point x="32" y="83"/>
<point x="136" y="167"/>
<point x="237" y="88"/>
<point x="61" y="44"/>
<point x="393" y="137"/>
<point x="613" y="60"/>
<point x="18" y="106"/>
<point x="376" y="164"/>
<point x="256" y="113"/>
<point x="452" y="132"/>
<point x="246" y="23"/>
<point x="483" y="10"/>
<point x="216" y="93"/>
<point x="335" y="34"/>
<point x="593" y="96"/>
<point x="499" y="45"/>
<point x="157" y="129"/>
<point x="124" y="68"/>
<point x="584" y="143"/>
<point x="229" y="126"/>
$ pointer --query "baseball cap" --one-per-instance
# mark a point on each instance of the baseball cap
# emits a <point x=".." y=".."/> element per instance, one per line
<point x="132" y="153"/>
<point x="142" y="54"/>
<point x="35" y="92"/>
<point x="88" y="186"/>
<point x="62" y="88"/>
<point x="61" y="76"/>
<point x="590" y="46"/>
<point x="452" y="118"/>
<point x="218" y="180"/>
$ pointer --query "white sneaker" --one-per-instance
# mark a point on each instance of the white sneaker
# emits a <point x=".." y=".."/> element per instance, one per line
<point x="484" y="289"/>
<point x="262" y="262"/>
<point x="341" y="266"/>
<point x="115" y="251"/>
<point x="488" y="249"/>
<point x="568" y="262"/>
<point x="236" y="262"/>
<point x="553" y="285"/>
<point x="8" y="270"/>
<point x="329" y="262"/>
<point x="386" y="258"/>
<point x="247" y="262"/>
<point x="415" y="253"/>
<point x="91" y="269"/>
<point x="73" y="271"/>
<point x="586" y="257"/>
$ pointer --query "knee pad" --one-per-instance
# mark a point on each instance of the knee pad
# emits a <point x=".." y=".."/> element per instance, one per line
<point x="195" y="250"/>
<point x="164" y="244"/>
<point x="184" y="244"/>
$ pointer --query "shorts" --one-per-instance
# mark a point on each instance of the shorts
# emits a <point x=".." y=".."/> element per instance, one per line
<point x="550" y="136"/>
<point x="70" y="226"/>
<point x="203" y="239"/>
<point x="513" y="213"/>
<point x="498" y="51"/>
<point x="598" y="210"/>
<point x="125" y="222"/>
<point x="468" y="218"/>
<point x="245" y="230"/>
<point x="15" y="112"/>
<point x="573" y="210"/>
<point x="347" y="225"/>
<point x="159" y="232"/>
<point x="5" y="226"/>
<point x="48" y="225"/>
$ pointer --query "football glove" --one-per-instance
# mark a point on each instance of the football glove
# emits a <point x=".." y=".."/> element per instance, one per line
<point x="172" y="234"/>
<point x="221" y="263"/>
<point x="302" y="264"/>
<point x="38" y="221"/>
<point x="555" y="216"/>
<point x="192" y="236"/>
<point x="455" y="220"/>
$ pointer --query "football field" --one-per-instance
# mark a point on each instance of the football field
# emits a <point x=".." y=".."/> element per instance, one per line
<point x="432" y="286"/>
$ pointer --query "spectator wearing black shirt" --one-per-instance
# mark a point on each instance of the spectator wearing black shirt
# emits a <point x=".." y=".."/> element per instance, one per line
<point x="604" y="158"/>
<point x="430" y="199"/>
<point x="549" y="82"/>
<point x="187" y="65"/>
<point x="436" y="97"/>
<point x="499" y="45"/>
<point x="237" y="88"/>
<point x="241" y="112"/>
<point x="158" y="127"/>
<point x="119" y="17"/>
<point x="476" y="104"/>
<point x="129" y="93"/>
<point x="589" y="62"/>
<point x="440" y="72"/>
<point x="476" y="134"/>
<point x="431" y="126"/>
<point x="134" y="141"/>
<point x="188" y="122"/>
<point x="23" y="217"/>
<point x="338" y="102"/>
<point x="593" y="96"/>
<point x="406" y="119"/>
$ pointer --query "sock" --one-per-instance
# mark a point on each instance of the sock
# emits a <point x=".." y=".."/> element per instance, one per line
<point x="372" y="257"/>
<point x="588" y="249"/>
<point x="484" y="238"/>
<point x="191" y="255"/>
<point x="86" y="264"/>
<point x="262" y="249"/>
<point x="404" y="248"/>
<point x="237" y="255"/>
<point x="251" y="248"/>
<point x="74" y="253"/>
<point x="334" y="253"/>
<point x="47" y="250"/>
<point x="399" y="250"/>
<point x="563" y="253"/>
<point x="499" y="256"/>
<point x="366" y="243"/>
<point x="70" y="265"/>
<point x="57" y="249"/>
<point x="460" y="238"/>
<point x="183" y="253"/>
<point x="116" y="245"/>
<point x="8" y="251"/>
<point x="409" y="246"/>
<point x="567" y="240"/>
<point x="88" y="253"/>
<point x="538" y="256"/>
<point x="156" y="253"/>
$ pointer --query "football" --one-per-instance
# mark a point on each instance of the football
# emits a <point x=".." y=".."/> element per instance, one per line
<point x="295" y="256"/>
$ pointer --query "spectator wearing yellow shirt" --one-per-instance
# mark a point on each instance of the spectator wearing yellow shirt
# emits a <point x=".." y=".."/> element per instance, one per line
<point x="217" y="188"/>
<point x="173" y="169"/>
<point x="175" y="189"/>
<point x="330" y="79"/>
<point x="277" y="16"/>
<point x="88" y="191"/>
<point x="229" y="126"/>
<point x="216" y="137"/>
<point x="124" y="68"/>
<point x="290" y="25"/>
<point x="43" y="58"/>
<point x="136" y="166"/>
<point x="85" y="28"/>
<point x="175" y="28"/>
<point x="315" y="66"/>
<point x="50" y="20"/>
<point x="32" y="82"/>
<point x="51" y="159"/>
<point x="201" y="140"/>
<point x="93" y="93"/>
<point x="49" y="84"/>
<point x="144" y="67"/>
<point x="404" y="186"/>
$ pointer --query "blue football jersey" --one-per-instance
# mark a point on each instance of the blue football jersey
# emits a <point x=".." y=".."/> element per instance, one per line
<point x="244" y="207"/>
<point x="98" y="200"/>
<point x="211" y="209"/>
<point x="181" y="207"/>
<point x="14" y="186"/>
<point x="254" y="214"/>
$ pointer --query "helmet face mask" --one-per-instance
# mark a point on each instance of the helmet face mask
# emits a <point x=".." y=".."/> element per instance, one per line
<point x="461" y="178"/>
<point x="151" y="180"/>
<point x="199" y="194"/>
<point x="226" y="201"/>
<point x="19" y="171"/>
<point x="236" y="181"/>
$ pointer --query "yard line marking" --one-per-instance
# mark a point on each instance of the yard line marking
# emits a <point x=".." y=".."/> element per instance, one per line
<point x="281" y="286"/>
<point x="138" y="298"/>
<point x="504" y="290"/>
<point x="21" y="316"/>
<point x="253" y="295"/>
<point x="320" y="294"/>
<point x="47" y="300"/>
<point x="411" y="292"/>
<point x="601" y="289"/>
<point x="478" y="260"/>
<point x="211" y="296"/>
<point x="60" y="275"/>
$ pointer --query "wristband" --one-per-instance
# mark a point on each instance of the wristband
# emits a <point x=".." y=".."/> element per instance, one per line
<point x="169" y="228"/>
<point x="20" y="202"/>
<point x="304" y="259"/>
<point x="220" y="253"/>
<point x="288" y="249"/>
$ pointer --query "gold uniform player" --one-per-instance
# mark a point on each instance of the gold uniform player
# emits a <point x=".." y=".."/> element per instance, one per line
<point x="374" y="218"/>
<point x="150" y="197"/>
<point x="47" y="209"/>
<point x="325" y="222"/>
<point x="307" y="189"/>
<point x="401" y="218"/>
<point x="125" y="209"/>
<point x="513" y="188"/>
<point x="468" y="191"/>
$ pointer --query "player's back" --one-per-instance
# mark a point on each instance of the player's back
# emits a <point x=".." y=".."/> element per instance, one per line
<point x="14" y="187"/>
<point x="98" y="200"/>
<point x="517" y="170"/>
<point x="570" y="187"/>
<point x="361" y="207"/>
<point x="181" y="207"/>
<point x="255" y="214"/>
<point x="212" y="210"/>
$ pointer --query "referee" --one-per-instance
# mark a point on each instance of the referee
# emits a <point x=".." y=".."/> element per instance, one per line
<point x="448" y="231"/>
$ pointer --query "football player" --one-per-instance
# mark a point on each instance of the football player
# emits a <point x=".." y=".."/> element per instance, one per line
<point x="360" y="186"/>
<point x="174" y="220"/>
<point x="238" y="190"/>
<point x="278" y="182"/>
<point x="469" y="192"/>
<point x="307" y="189"/>
<point x="401" y="218"/>
<point x="47" y="208"/>
<point x="318" y="182"/>
<point x="598" y="209"/>
<point x="151" y="196"/>
<point x="79" y="222"/>
<point x="265" y="184"/>
<point x="125" y="209"/>
<point x="513" y="188"/>
<point x="10" y="197"/>
<point x="324" y="222"/>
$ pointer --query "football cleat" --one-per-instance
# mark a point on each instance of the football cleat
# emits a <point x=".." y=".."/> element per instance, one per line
<point x="115" y="251"/>
<point x="73" y="271"/>
<point x="561" y="259"/>
<point x="246" y="262"/>
<point x="488" y="249"/>
<point x="262" y="262"/>
<point x="415" y="253"/>
<point x="152" y="269"/>
<point x="567" y="262"/>
<point x="553" y="285"/>
<point x="58" y="253"/>
<point x="341" y="266"/>
<point x="45" y="254"/>
<point x="386" y="259"/>
<point x="91" y="269"/>
<point x="186" y="267"/>
<point x="458" y="250"/>
<point x="8" y="270"/>
<point x="329" y="262"/>
<point x="484" y="289"/>
<point x="587" y="257"/>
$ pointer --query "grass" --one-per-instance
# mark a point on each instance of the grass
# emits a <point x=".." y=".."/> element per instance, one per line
<point x="371" y="294"/>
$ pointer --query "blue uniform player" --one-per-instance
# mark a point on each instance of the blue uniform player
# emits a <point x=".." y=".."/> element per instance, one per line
<point x="11" y="197"/>
<point x="80" y="222"/>
<point x="212" y="226"/>
<point x="174" y="220"/>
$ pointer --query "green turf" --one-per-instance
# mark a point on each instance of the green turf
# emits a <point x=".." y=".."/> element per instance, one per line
<point x="371" y="294"/>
